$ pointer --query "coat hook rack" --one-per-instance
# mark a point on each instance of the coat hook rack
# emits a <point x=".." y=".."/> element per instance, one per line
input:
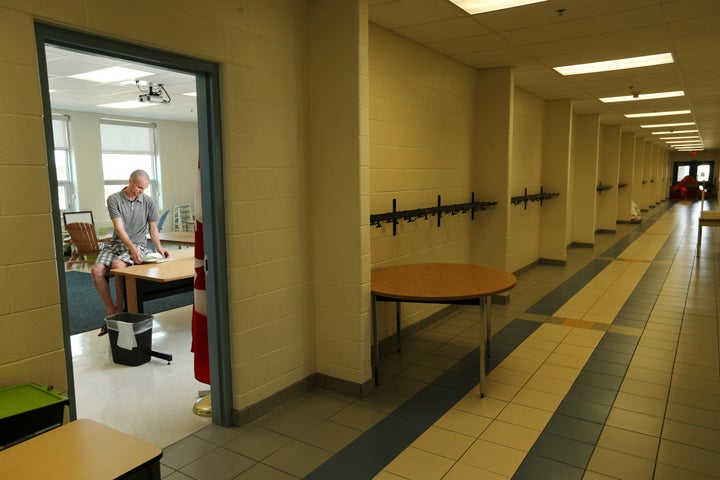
<point x="533" y="197"/>
<point x="424" y="213"/>
<point x="622" y="185"/>
<point x="600" y="188"/>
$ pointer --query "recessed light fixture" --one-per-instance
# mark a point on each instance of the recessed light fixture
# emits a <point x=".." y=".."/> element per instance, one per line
<point x="484" y="6"/>
<point x="112" y="75"/>
<point x="619" y="64"/>
<point x="670" y="132"/>
<point x="668" y="125"/>
<point x="684" y="137"/>
<point x="190" y="94"/>
<point x="657" y="114"/>
<point x="128" y="104"/>
<point x="642" y="96"/>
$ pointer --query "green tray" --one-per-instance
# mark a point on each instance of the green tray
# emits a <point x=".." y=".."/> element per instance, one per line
<point x="27" y="409"/>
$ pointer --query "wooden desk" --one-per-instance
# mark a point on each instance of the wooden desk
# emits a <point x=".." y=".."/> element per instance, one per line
<point x="153" y="280"/>
<point x="183" y="239"/>
<point x="81" y="450"/>
<point x="708" y="218"/>
<point x="448" y="283"/>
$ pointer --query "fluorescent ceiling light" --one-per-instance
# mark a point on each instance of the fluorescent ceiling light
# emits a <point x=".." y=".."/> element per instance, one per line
<point x="670" y="132"/>
<point x="484" y="6"/>
<point x="667" y="125"/>
<point x="128" y="104"/>
<point x="678" y="142"/>
<point x="658" y="114"/>
<point x="111" y="75"/>
<point x="642" y="96"/>
<point x="619" y="64"/>
<point x="696" y="137"/>
<point x="191" y="94"/>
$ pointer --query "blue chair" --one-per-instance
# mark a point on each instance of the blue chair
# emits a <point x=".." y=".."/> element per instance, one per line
<point x="162" y="219"/>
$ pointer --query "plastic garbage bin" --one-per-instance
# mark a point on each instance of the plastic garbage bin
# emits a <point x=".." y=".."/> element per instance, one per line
<point x="130" y="337"/>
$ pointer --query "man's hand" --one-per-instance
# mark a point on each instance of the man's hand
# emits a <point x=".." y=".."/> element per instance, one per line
<point x="136" y="255"/>
<point x="163" y="252"/>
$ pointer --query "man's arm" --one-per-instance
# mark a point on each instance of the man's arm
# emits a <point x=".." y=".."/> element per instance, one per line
<point x="155" y="239"/>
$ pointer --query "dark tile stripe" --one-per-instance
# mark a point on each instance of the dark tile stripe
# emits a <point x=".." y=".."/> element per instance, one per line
<point x="577" y="425"/>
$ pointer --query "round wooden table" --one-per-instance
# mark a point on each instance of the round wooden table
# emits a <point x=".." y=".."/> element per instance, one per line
<point x="446" y="283"/>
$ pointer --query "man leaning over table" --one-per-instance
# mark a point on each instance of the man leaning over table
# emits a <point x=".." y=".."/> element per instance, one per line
<point x="132" y="213"/>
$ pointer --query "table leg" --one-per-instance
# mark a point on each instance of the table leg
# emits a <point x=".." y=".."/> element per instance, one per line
<point x="397" y="325"/>
<point x="483" y="342"/>
<point x="375" y="354"/>
<point x="488" y="325"/>
<point x="699" y="239"/>
<point x="130" y="294"/>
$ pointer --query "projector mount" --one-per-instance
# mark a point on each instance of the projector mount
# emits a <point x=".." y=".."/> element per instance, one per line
<point x="155" y="93"/>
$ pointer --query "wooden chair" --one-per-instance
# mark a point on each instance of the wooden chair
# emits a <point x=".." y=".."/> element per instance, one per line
<point x="85" y="242"/>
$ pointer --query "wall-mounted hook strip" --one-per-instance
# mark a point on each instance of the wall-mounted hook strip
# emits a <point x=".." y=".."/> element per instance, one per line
<point x="533" y="197"/>
<point x="602" y="187"/>
<point x="622" y="185"/>
<point x="412" y="215"/>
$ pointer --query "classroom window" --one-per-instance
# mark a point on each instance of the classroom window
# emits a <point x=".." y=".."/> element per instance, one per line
<point x="63" y="167"/>
<point x="126" y="147"/>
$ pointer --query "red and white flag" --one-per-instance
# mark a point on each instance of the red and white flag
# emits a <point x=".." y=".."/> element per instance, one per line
<point x="199" y="314"/>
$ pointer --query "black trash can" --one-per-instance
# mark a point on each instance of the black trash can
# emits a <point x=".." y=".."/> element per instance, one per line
<point x="130" y="337"/>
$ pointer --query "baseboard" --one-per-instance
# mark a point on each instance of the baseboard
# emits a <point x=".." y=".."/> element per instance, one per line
<point x="605" y="230"/>
<point x="581" y="245"/>
<point x="360" y="390"/>
<point x="264" y="406"/>
<point x="552" y="261"/>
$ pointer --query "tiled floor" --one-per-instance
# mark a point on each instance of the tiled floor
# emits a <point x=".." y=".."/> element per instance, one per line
<point x="605" y="368"/>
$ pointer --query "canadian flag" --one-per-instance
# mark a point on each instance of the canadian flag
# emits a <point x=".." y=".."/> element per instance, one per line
<point x="199" y="315"/>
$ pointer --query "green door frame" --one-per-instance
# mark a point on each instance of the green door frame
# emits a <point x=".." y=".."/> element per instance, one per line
<point x="212" y="197"/>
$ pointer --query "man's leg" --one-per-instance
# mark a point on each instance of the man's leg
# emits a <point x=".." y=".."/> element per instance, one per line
<point x="103" y="287"/>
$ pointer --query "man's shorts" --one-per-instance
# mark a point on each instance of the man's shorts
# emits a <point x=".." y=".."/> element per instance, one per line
<point x="117" y="251"/>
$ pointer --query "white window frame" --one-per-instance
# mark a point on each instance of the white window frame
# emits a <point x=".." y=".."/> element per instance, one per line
<point x="62" y="144"/>
<point x="154" y="170"/>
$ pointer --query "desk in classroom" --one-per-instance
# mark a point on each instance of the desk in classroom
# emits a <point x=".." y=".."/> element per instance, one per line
<point x="81" y="450"/>
<point x="182" y="239"/>
<point x="160" y="279"/>
<point x="446" y="283"/>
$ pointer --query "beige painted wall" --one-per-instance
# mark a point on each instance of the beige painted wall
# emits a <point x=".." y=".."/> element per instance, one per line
<point x="525" y="172"/>
<point x="421" y="120"/>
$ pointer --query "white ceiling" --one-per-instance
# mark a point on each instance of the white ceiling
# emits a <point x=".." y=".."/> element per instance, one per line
<point x="531" y="39"/>
<point x="537" y="37"/>
<point x="73" y="94"/>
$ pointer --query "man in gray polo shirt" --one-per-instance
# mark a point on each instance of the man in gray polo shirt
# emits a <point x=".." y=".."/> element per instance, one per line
<point x="131" y="212"/>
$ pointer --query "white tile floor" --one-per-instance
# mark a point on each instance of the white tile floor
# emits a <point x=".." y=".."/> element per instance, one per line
<point x="152" y="401"/>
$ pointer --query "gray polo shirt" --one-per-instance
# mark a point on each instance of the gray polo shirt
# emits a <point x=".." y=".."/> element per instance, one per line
<point x="135" y="215"/>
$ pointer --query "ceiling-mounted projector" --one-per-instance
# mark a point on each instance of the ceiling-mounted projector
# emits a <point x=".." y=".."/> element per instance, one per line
<point x="152" y="98"/>
<point x="155" y="93"/>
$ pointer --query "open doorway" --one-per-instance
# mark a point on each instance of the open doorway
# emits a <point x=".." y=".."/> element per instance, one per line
<point x="142" y="401"/>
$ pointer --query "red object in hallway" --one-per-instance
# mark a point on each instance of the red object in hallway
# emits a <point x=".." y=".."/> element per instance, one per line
<point x="199" y="314"/>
